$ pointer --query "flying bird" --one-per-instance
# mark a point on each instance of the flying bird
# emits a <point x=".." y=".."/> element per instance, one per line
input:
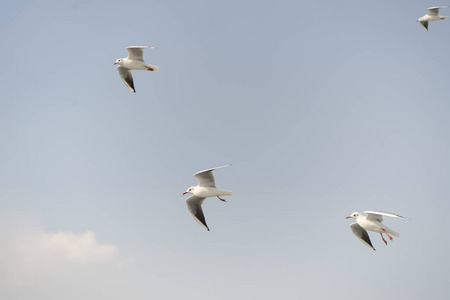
<point x="432" y="15"/>
<point x="372" y="222"/>
<point x="134" y="61"/>
<point x="206" y="188"/>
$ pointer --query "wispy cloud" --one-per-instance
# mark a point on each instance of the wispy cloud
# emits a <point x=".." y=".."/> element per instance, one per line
<point x="36" y="263"/>
<point x="39" y="250"/>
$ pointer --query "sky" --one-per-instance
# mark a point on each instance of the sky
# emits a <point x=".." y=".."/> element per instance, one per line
<point x="322" y="108"/>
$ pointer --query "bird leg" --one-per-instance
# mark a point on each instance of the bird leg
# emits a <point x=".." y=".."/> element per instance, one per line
<point x="390" y="237"/>
<point x="149" y="69"/>
<point x="383" y="238"/>
<point x="221" y="199"/>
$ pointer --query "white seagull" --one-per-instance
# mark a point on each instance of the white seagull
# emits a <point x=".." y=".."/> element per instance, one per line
<point x="206" y="188"/>
<point x="432" y="15"/>
<point x="134" y="61"/>
<point x="373" y="222"/>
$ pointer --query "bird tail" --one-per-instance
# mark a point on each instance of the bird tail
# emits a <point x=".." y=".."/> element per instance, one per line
<point x="226" y="193"/>
<point x="394" y="233"/>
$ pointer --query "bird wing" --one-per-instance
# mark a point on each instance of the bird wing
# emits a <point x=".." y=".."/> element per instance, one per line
<point x="137" y="52"/>
<point x="361" y="234"/>
<point x="126" y="76"/>
<point x="434" y="11"/>
<point x="194" y="205"/>
<point x="378" y="215"/>
<point x="206" y="177"/>
<point x="424" y="24"/>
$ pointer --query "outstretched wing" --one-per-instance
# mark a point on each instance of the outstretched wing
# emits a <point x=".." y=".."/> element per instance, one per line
<point x="125" y="74"/>
<point x="434" y="11"/>
<point x="137" y="52"/>
<point x="378" y="215"/>
<point x="361" y="234"/>
<point x="194" y="205"/>
<point x="424" y="24"/>
<point x="206" y="177"/>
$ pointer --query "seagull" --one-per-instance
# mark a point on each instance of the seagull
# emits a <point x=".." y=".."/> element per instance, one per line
<point x="373" y="222"/>
<point x="134" y="61"/>
<point x="432" y="15"/>
<point x="206" y="188"/>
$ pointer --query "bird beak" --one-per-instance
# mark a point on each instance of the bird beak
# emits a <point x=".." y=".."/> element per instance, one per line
<point x="115" y="63"/>
<point x="184" y="193"/>
<point x="348" y="217"/>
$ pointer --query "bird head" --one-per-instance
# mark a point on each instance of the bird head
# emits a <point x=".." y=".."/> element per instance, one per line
<point x="190" y="190"/>
<point x="118" y="62"/>
<point x="353" y="215"/>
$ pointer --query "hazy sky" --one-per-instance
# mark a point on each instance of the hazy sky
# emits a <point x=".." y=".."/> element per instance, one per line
<point x="322" y="108"/>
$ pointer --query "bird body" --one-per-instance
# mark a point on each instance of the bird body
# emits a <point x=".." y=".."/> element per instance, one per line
<point x="206" y="192"/>
<point x="374" y="225"/>
<point x="428" y="18"/>
<point x="132" y="64"/>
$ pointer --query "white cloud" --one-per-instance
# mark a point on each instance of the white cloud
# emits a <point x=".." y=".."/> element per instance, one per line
<point x="40" y="250"/>
<point x="42" y="265"/>
<point x="38" y="264"/>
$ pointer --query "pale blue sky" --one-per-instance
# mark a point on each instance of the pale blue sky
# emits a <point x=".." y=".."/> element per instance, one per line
<point x="322" y="108"/>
